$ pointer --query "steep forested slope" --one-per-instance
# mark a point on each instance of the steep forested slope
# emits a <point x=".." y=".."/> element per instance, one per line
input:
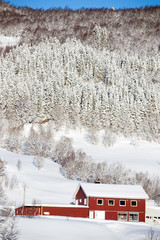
<point x="78" y="85"/>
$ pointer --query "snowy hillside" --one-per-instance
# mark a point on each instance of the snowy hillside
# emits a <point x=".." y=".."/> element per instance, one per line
<point x="43" y="186"/>
<point x="47" y="184"/>
<point x="133" y="153"/>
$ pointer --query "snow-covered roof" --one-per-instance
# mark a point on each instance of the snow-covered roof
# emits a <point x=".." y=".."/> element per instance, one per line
<point x="54" y="205"/>
<point x="114" y="191"/>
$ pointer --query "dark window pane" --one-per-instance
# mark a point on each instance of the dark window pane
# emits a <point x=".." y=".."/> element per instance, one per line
<point x="99" y="201"/>
<point x="122" y="203"/>
<point x="111" y="202"/>
<point x="133" y="203"/>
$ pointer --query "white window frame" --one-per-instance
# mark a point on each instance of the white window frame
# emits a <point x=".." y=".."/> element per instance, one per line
<point x="111" y="200"/>
<point x="120" y="203"/>
<point x="133" y="201"/>
<point x="133" y="220"/>
<point x="100" y="203"/>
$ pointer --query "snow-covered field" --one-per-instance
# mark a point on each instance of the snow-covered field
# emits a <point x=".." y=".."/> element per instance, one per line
<point x="61" y="228"/>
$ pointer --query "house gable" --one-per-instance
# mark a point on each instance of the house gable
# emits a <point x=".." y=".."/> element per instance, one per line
<point x="80" y="197"/>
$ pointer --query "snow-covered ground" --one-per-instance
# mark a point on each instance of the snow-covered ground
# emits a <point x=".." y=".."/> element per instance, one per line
<point x="8" y="41"/>
<point x="46" y="185"/>
<point x="61" y="228"/>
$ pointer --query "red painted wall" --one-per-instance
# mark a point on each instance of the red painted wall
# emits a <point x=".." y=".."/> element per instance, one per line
<point x="54" y="211"/>
<point x="139" y="208"/>
<point x="28" y="211"/>
<point x="67" y="211"/>
<point x="111" y="215"/>
<point x="112" y="211"/>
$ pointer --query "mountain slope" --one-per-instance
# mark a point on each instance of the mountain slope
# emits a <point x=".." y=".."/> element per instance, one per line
<point x="76" y="85"/>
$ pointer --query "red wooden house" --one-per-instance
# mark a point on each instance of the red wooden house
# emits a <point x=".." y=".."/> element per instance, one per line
<point x="98" y="201"/>
<point x="113" y="201"/>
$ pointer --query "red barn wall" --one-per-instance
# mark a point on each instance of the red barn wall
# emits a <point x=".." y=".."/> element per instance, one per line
<point x="111" y="215"/>
<point x="66" y="211"/>
<point x="54" y="211"/>
<point x="27" y="211"/>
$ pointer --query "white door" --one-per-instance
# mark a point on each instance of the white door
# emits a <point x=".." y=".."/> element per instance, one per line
<point x="100" y="215"/>
<point x="91" y="214"/>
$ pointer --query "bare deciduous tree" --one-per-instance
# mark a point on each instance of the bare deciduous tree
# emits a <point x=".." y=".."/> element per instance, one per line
<point x="38" y="162"/>
<point x="8" y="228"/>
<point x="19" y="165"/>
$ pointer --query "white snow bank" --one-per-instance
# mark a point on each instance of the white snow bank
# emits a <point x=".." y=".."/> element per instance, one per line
<point x="8" y="41"/>
<point x="70" y="229"/>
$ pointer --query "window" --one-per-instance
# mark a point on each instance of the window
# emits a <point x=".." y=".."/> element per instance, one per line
<point x="85" y="201"/>
<point x="80" y="200"/>
<point x="111" y="202"/>
<point x="122" y="216"/>
<point x="99" y="201"/>
<point x="134" y="203"/>
<point x="133" y="217"/>
<point x="122" y="202"/>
